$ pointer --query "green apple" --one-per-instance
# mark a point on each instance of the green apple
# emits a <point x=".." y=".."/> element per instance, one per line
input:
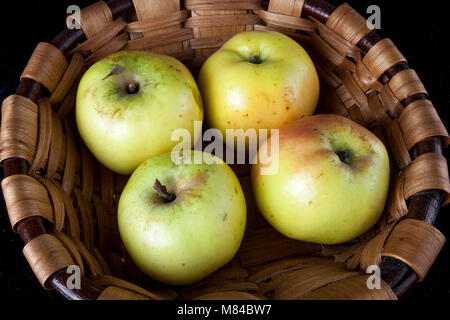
<point x="129" y="103"/>
<point x="330" y="181"/>
<point x="258" y="80"/>
<point x="180" y="222"/>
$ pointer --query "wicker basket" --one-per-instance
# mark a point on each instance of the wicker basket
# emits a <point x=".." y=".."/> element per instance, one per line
<point x="63" y="203"/>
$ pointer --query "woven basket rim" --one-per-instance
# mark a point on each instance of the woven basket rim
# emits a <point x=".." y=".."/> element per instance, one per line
<point x="399" y="275"/>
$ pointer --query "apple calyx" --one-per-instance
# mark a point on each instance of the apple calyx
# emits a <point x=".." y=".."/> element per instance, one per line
<point x="162" y="192"/>
<point x="345" y="156"/>
<point x="132" y="87"/>
<point x="255" y="60"/>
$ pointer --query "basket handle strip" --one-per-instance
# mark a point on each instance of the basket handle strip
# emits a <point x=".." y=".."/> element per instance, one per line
<point x="46" y="66"/>
<point x="416" y="243"/>
<point x="46" y="255"/>
<point x="93" y="19"/>
<point x="25" y="197"/>
<point x="19" y="128"/>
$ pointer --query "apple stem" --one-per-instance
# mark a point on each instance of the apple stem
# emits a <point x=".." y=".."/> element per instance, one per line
<point x="165" y="195"/>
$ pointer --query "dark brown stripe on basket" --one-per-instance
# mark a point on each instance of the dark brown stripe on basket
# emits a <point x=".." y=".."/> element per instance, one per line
<point x="120" y="8"/>
<point x="30" y="228"/>
<point x="68" y="39"/>
<point x="318" y="9"/>
<point x="88" y="290"/>
<point x="369" y="40"/>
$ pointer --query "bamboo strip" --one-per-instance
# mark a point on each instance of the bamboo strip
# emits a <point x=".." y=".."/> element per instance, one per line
<point x="71" y="248"/>
<point x="104" y="230"/>
<point x="156" y="23"/>
<point x="72" y="224"/>
<point x="56" y="146"/>
<point x="352" y="289"/>
<point x="93" y="19"/>
<point x="365" y="78"/>
<point x="101" y="38"/>
<point x="284" y="21"/>
<point x="193" y="5"/>
<point x="221" y="20"/>
<point x="68" y="104"/>
<point x="46" y="66"/>
<point x="381" y="117"/>
<point x="419" y="121"/>
<point x="19" y="128"/>
<point x="161" y="40"/>
<point x="397" y="145"/>
<point x="25" y="197"/>
<point x="106" y="281"/>
<point x="113" y="46"/>
<point x="91" y="263"/>
<point x="282" y="266"/>
<point x="293" y="285"/>
<point x="86" y="219"/>
<point x="59" y="211"/>
<point x="67" y="81"/>
<point x="356" y="92"/>
<point x="219" y="277"/>
<point x="347" y="99"/>
<point x="382" y="56"/>
<point x="428" y="171"/>
<point x="406" y="83"/>
<point x="330" y="102"/>
<point x="303" y="39"/>
<point x="356" y="115"/>
<point x="148" y="10"/>
<point x="371" y="254"/>
<point x="44" y="136"/>
<point x="390" y="102"/>
<point x="102" y="261"/>
<point x="71" y="158"/>
<point x="228" y="286"/>
<point x="87" y="169"/>
<point x="323" y="49"/>
<point x="348" y="23"/>
<point x="46" y="255"/>
<point x="117" y="293"/>
<point x="211" y="42"/>
<point x="416" y="243"/>
<point x="291" y="8"/>
<point x="347" y="253"/>
<point x="340" y="44"/>
<point x="396" y="203"/>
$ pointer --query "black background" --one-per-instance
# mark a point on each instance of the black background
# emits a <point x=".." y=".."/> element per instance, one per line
<point x="419" y="29"/>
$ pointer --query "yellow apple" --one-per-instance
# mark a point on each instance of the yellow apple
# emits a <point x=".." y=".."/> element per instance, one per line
<point x="129" y="103"/>
<point x="180" y="222"/>
<point x="258" y="80"/>
<point x="330" y="181"/>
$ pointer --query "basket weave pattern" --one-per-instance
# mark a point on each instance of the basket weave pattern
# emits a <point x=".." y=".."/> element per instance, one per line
<point x="63" y="202"/>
